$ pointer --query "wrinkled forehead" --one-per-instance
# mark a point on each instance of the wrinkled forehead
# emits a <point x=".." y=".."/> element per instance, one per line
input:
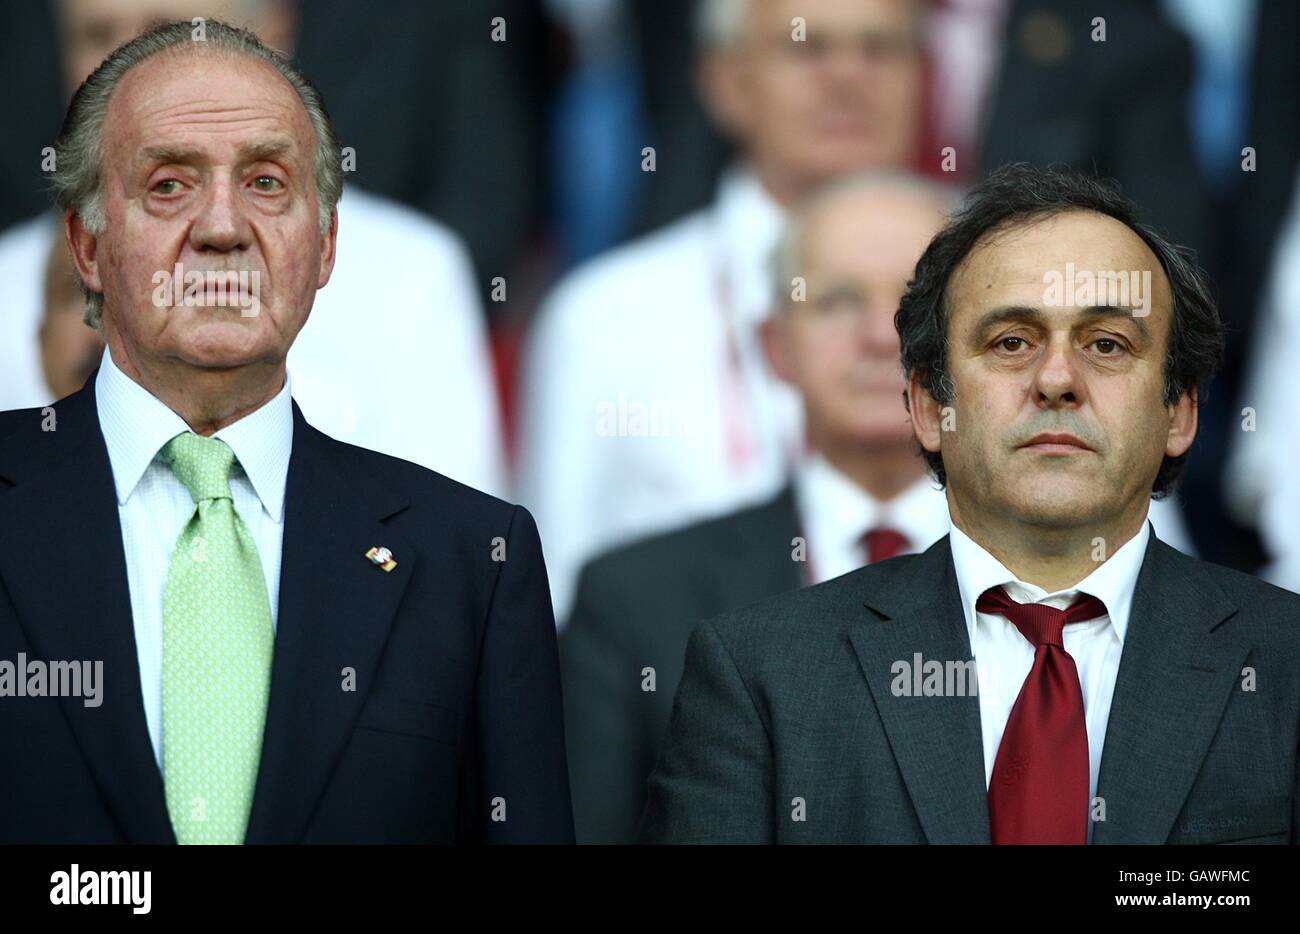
<point x="205" y="101"/>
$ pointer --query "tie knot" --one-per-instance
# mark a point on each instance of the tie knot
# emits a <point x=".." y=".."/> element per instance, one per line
<point x="201" y="464"/>
<point x="1037" y="622"/>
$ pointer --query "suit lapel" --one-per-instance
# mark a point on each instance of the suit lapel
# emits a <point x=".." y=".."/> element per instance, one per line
<point x="1178" y="668"/>
<point x="336" y="608"/>
<point x="64" y="568"/>
<point x="935" y="740"/>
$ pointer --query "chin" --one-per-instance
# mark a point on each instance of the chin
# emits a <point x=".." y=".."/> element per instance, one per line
<point x="837" y="155"/>
<point x="1055" y="505"/>
<point x="224" y="344"/>
<point x="884" y="433"/>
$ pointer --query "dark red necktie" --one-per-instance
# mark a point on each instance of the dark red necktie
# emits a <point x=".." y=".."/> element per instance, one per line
<point x="881" y="543"/>
<point x="1039" y="789"/>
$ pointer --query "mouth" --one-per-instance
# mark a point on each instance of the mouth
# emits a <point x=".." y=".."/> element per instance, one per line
<point x="1055" y="443"/>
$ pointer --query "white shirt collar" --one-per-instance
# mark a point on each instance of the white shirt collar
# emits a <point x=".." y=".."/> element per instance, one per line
<point x="1113" y="582"/>
<point x="136" y="424"/>
<point x="839" y="511"/>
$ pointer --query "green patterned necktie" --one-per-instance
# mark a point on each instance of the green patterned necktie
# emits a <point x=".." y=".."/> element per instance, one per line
<point x="217" y="644"/>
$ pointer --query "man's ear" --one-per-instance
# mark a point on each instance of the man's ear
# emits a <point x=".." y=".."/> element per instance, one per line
<point x="1182" y="424"/>
<point x="926" y="413"/>
<point x="328" y="249"/>
<point x="84" y="249"/>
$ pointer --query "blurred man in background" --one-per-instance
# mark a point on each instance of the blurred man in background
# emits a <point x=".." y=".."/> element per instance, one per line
<point x="396" y="358"/>
<point x="861" y="494"/>
<point x="70" y="351"/>
<point x="667" y="328"/>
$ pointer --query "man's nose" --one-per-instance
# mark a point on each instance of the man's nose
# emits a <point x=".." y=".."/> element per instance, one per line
<point x="221" y="223"/>
<point x="1057" y="379"/>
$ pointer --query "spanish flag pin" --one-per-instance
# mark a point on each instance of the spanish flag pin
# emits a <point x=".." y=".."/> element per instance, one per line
<point x="382" y="557"/>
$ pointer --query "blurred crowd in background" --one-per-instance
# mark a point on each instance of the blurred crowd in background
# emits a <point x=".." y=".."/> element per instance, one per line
<point x="567" y="245"/>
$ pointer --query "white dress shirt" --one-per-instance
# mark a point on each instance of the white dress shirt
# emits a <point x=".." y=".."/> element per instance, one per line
<point x="834" y="514"/>
<point x="394" y="356"/>
<point x="1003" y="656"/>
<point x="154" y="506"/>
<point x="649" y="327"/>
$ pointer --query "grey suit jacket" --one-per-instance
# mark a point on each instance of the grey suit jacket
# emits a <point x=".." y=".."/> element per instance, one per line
<point x="635" y="609"/>
<point x="785" y="728"/>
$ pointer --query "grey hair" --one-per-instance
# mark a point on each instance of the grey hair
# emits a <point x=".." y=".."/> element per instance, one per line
<point x="786" y="260"/>
<point x="79" y="150"/>
<point x="720" y="23"/>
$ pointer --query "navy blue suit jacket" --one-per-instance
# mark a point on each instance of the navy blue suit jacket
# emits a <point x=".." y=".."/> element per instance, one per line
<point x="456" y="721"/>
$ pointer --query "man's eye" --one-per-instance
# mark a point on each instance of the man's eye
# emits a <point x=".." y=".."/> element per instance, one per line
<point x="838" y="301"/>
<point x="166" y="181"/>
<point x="1111" y="346"/>
<point x="267" y="183"/>
<point x="1006" y="340"/>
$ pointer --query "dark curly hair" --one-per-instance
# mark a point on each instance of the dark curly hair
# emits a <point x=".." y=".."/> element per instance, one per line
<point x="1018" y="194"/>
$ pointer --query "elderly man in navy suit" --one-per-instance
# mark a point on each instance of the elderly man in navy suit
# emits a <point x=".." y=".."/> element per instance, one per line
<point x="301" y="640"/>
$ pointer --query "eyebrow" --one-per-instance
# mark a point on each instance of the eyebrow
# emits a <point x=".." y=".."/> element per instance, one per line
<point x="1011" y="313"/>
<point x="249" y="152"/>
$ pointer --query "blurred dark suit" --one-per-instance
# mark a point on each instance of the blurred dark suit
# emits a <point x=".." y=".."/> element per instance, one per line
<point x="441" y="117"/>
<point x="31" y="107"/>
<point x="1116" y="108"/>
<point x="1256" y="209"/>
<point x="636" y="608"/>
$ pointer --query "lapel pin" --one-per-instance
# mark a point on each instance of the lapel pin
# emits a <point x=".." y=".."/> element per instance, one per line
<point x="382" y="557"/>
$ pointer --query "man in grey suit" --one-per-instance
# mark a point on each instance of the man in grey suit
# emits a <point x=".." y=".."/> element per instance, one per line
<point x="1050" y="672"/>
<point x="860" y="493"/>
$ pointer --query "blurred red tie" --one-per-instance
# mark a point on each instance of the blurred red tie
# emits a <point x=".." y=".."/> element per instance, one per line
<point x="881" y="543"/>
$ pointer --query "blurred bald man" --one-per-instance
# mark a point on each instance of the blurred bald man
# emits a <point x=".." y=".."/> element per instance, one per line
<point x="860" y="495"/>
<point x="70" y="351"/>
